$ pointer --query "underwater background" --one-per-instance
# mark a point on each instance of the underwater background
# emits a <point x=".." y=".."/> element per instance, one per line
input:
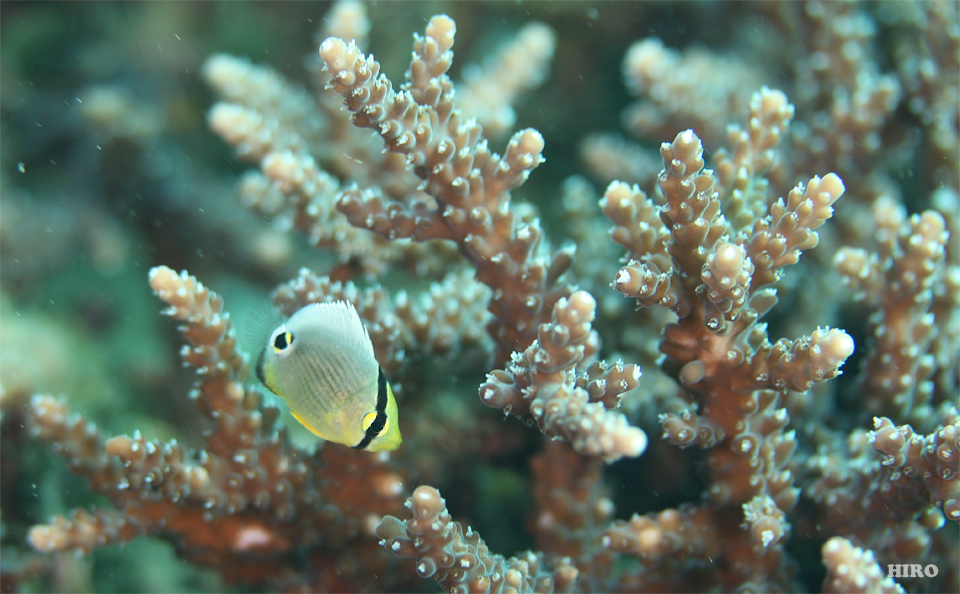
<point x="109" y="168"/>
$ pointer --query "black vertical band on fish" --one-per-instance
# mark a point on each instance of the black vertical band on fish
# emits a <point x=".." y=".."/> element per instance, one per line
<point x="376" y="427"/>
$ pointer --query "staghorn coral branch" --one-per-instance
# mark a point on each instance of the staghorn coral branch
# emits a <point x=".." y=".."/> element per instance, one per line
<point x="854" y="570"/>
<point x="370" y="209"/>
<point x="692" y="212"/>
<point x="572" y="511"/>
<point x="695" y="89"/>
<point x="765" y="521"/>
<point x="899" y="281"/>
<point x="258" y="90"/>
<point x="459" y="560"/>
<point x="213" y="352"/>
<point x="861" y="271"/>
<point x="741" y="170"/>
<point x="124" y="469"/>
<point x="687" y="428"/>
<point x="84" y="531"/>
<point x="244" y="503"/>
<point x="472" y="187"/>
<point x="777" y="240"/>
<point x="208" y="329"/>
<point x="254" y="135"/>
<point x="542" y="382"/>
<point x="75" y="438"/>
<point x="637" y="226"/>
<point x="686" y="531"/>
<point x="521" y="64"/>
<point x="797" y="365"/>
<point x="433" y="57"/>
<point x="274" y="124"/>
<point x="162" y="468"/>
<point x="855" y="492"/>
<point x="716" y="279"/>
<point x="470" y="184"/>
<point x="726" y="280"/>
<point x="924" y="467"/>
<point x="605" y="383"/>
<point x="646" y="284"/>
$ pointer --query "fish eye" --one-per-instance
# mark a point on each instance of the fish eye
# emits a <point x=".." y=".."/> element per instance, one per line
<point x="281" y="341"/>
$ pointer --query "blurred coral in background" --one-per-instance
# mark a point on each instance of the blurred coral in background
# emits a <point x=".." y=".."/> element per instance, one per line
<point x="703" y="257"/>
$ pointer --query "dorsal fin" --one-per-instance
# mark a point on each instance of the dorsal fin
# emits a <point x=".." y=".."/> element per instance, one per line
<point x="341" y="320"/>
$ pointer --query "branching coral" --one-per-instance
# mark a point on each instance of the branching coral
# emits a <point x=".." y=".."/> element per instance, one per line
<point x="472" y="187"/>
<point x="242" y="502"/>
<point x="743" y="244"/>
<point x="459" y="560"/>
<point x="470" y="184"/>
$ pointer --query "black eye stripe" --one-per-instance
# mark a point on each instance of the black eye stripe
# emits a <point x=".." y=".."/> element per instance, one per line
<point x="281" y="342"/>
<point x="376" y="427"/>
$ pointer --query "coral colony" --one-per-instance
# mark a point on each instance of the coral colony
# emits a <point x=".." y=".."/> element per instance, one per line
<point x="802" y="479"/>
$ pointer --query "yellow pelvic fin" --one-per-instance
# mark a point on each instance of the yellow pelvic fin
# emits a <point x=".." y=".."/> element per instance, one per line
<point x="307" y="425"/>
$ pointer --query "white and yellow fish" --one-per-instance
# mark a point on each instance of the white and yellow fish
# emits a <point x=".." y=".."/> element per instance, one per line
<point x="321" y="362"/>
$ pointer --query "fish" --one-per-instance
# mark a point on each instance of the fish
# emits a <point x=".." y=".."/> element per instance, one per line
<point x="321" y="362"/>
